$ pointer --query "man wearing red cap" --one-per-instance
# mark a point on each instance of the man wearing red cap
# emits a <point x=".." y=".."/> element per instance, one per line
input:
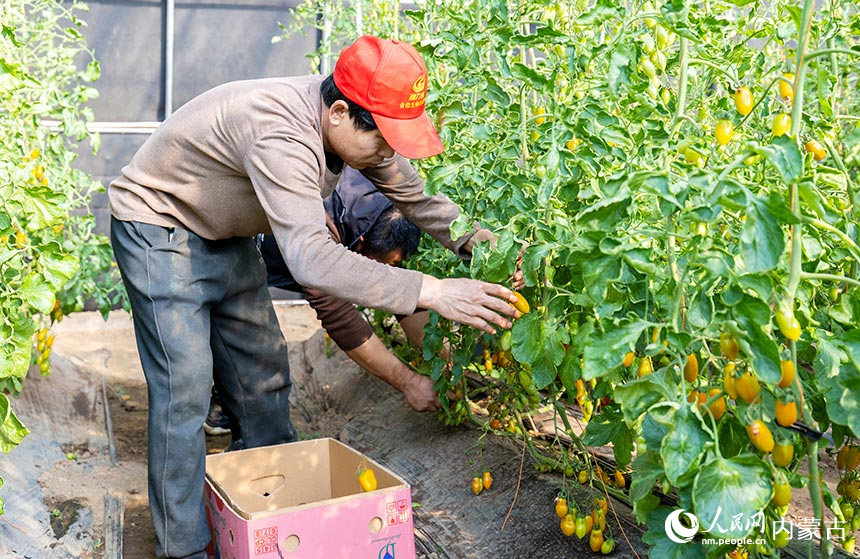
<point x="255" y="157"/>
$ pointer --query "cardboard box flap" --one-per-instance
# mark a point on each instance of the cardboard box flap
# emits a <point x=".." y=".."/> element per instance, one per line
<point x="261" y="480"/>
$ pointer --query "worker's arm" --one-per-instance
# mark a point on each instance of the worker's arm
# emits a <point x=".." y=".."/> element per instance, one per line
<point x="351" y="332"/>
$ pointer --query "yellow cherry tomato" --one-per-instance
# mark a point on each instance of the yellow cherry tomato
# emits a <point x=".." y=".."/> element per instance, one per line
<point x="789" y="372"/>
<point x="748" y="387"/>
<point x="729" y="381"/>
<point x="760" y="435"/>
<point x="723" y="132"/>
<point x="521" y="305"/>
<point x="718" y="406"/>
<point x="729" y="346"/>
<point x="691" y="368"/>
<point x="786" y="413"/>
<point x="487" y="479"/>
<point x="786" y="87"/>
<point x="817" y="150"/>
<point x="628" y="359"/>
<point x="568" y="525"/>
<point x="783" y="454"/>
<point x="781" y="494"/>
<point x="477" y="485"/>
<point x="788" y="324"/>
<point x="743" y="100"/>
<point x="645" y="367"/>
<point x="561" y="509"/>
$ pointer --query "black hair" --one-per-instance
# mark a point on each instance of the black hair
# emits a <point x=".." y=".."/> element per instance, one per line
<point x="361" y="117"/>
<point x="392" y="231"/>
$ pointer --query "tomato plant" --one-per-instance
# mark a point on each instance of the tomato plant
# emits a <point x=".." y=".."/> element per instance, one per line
<point x="50" y="260"/>
<point x="624" y="235"/>
<point x="647" y="241"/>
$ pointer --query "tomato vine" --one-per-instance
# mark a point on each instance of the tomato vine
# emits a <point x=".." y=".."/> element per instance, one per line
<point x="589" y="132"/>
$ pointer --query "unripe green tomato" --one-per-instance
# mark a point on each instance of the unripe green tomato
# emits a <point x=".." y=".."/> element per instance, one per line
<point x="647" y="68"/>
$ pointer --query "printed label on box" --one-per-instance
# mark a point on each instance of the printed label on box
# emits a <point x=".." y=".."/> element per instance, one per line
<point x="266" y="540"/>
<point x="398" y="512"/>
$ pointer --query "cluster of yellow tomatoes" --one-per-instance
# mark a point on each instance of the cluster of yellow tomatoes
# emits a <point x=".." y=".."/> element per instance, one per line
<point x="586" y="523"/>
<point x="724" y="129"/>
<point x="848" y="489"/>
<point x="44" y="342"/>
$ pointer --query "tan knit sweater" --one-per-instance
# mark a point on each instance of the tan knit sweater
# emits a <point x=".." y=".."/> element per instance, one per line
<point x="247" y="157"/>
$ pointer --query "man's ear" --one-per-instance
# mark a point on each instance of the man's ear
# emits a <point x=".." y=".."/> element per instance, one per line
<point x="338" y="112"/>
<point x="359" y="245"/>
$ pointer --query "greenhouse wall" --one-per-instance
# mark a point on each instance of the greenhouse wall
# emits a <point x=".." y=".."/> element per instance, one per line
<point x="214" y="42"/>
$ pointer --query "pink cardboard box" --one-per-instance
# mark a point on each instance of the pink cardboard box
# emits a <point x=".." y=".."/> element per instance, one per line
<point x="303" y="501"/>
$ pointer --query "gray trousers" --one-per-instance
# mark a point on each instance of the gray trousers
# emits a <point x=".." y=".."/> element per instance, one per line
<point x="200" y="308"/>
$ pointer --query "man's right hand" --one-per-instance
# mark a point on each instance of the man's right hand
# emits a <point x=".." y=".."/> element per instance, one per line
<point x="471" y="302"/>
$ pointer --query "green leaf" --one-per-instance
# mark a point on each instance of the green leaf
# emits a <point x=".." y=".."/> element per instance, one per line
<point x="598" y="14"/>
<point x="622" y="447"/>
<point x="495" y="265"/>
<point x="762" y="237"/>
<point x="37" y="293"/>
<point x="605" y="350"/>
<point x="541" y="345"/>
<point x="637" y="396"/>
<point x="648" y="471"/>
<point x="604" y="428"/>
<point x="683" y="445"/>
<point x="725" y="488"/>
<point x="58" y="267"/>
<point x="15" y="351"/>
<point x="751" y="315"/>
<point x="528" y="75"/>
<point x="440" y="176"/>
<point x="12" y="431"/>
<point x="785" y="157"/>
<point x="840" y="385"/>
<point x="9" y="34"/>
<point x="92" y="71"/>
<point x="660" y="546"/>
<point x="618" y="71"/>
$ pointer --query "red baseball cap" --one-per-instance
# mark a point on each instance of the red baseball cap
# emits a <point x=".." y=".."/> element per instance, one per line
<point x="389" y="79"/>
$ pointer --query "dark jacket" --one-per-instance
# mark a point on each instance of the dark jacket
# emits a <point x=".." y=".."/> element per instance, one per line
<point x="351" y="211"/>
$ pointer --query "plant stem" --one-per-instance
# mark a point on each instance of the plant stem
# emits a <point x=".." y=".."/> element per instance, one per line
<point x="829" y="51"/>
<point x="796" y="255"/>
<point x="829" y="277"/>
<point x="720" y="69"/>
<point x="682" y="83"/>
<point x="851" y="245"/>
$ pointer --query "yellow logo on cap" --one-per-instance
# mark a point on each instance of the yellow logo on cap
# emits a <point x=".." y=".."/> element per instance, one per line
<point x="420" y="85"/>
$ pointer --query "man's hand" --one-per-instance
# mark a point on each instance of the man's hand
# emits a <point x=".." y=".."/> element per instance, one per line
<point x="375" y="358"/>
<point x="418" y="391"/>
<point x="471" y="302"/>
